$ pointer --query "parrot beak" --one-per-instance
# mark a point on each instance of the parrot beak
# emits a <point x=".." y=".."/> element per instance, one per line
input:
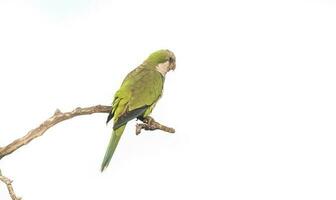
<point x="172" y="61"/>
<point x="173" y="66"/>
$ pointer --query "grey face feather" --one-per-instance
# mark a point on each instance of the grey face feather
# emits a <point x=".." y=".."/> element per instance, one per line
<point x="163" y="68"/>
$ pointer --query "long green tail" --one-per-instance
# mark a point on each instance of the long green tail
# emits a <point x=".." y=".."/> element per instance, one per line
<point x="114" y="140"/>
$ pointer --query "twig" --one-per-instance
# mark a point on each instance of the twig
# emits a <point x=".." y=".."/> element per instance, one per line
<point x="8" y="183"/>
<point x="150" y="125"/>
<point x="53" y="120"/>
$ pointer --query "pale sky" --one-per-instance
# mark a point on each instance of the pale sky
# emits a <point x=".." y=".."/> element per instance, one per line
<point x="252" y="98"/>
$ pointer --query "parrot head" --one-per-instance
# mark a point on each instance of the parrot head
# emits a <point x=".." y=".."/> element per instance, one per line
<point x="163" y="61"/>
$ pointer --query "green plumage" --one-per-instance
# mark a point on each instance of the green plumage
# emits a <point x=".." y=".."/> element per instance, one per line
<point x="137" y="96"/>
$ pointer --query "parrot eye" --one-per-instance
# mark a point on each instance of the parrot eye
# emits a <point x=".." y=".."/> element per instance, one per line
<point x="171" y="60"/>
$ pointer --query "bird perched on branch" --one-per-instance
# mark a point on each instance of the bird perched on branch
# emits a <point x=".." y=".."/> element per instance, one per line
<point x="137" y="96"/>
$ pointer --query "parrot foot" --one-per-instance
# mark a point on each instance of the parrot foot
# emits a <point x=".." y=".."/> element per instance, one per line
<point x="148" y="120"/>
<point x="150" y="125"/>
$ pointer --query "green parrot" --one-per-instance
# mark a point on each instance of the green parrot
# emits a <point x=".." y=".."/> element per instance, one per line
<point x="137" y="96"/>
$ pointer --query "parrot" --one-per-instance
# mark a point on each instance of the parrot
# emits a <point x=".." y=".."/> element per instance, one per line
<point x="138" y="95"/>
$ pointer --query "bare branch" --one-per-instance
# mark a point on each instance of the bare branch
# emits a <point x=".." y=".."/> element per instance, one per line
<point x="8" y="183"/>
<point x="53" y="120"/>
<point x="150" y="125"/>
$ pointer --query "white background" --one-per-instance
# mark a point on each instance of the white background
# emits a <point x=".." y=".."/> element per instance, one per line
<point x="252" y="98"/>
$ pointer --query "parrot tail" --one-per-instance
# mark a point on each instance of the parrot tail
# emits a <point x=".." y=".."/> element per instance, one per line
<point x="114" y="140"/>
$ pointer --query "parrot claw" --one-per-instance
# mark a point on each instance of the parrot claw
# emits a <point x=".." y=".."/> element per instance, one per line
<point x="149" y="124"/>
<point x="148" y="120"/>
<point x="138" y="128"/>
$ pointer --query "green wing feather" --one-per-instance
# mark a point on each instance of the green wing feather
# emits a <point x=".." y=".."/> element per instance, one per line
<point x="136" y="97"/>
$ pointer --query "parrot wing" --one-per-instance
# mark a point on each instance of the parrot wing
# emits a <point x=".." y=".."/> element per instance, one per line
<point x="139" y="92"/>
<point x="136" y="97"/>
<point x="123" y="119"/>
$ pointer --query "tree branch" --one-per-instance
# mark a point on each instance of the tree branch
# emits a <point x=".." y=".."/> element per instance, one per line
<point x="53" y="120"/>
<point x="8" y="183"/>
<point x="149" y="124"/>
